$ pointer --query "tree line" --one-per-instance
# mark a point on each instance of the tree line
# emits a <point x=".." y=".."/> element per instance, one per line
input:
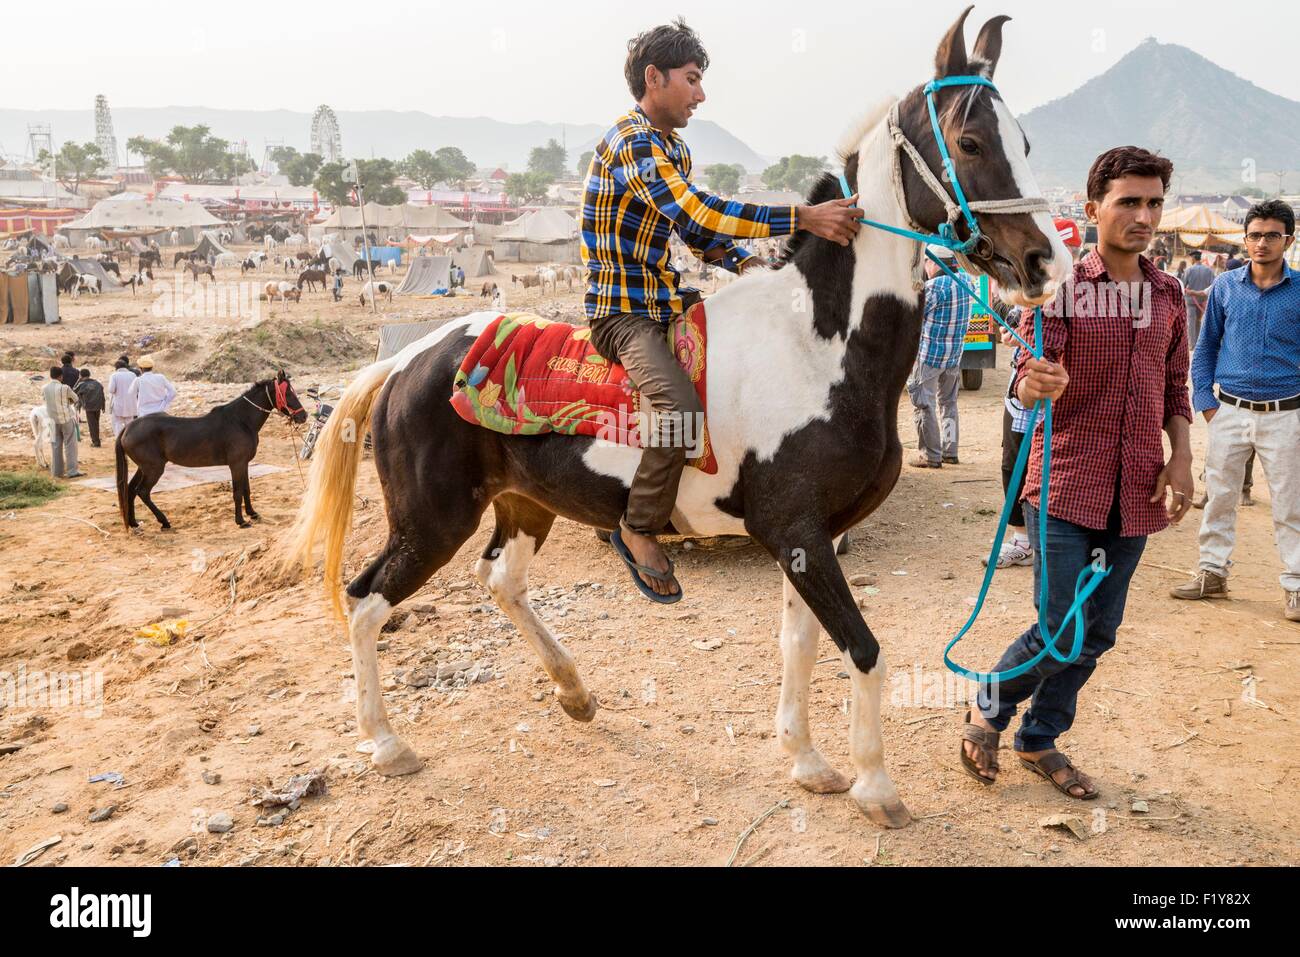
<point x="193" y="153"/>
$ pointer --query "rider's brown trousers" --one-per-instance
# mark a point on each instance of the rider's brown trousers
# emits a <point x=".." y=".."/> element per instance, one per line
<point x="640" y="344"/>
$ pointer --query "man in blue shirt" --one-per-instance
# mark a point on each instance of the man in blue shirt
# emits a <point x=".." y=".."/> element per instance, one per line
<point x="1196" y="281"/>
<point x="1250" y="345"/>
<point x="937" y="372"/>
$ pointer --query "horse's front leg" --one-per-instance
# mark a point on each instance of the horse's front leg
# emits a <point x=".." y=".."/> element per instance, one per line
<point x="807" y="556"/>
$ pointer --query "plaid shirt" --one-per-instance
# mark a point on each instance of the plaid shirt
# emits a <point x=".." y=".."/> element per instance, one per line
<point x="947" y="314"/>
<point x="1127" y="378"/>
<point x="638" y="191"/>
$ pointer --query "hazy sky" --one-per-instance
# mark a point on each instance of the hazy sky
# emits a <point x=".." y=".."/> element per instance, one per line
<point x="785" y="77"/>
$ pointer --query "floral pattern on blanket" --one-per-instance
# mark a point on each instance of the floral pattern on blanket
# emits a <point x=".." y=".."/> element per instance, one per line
<point x="525" y="375"/>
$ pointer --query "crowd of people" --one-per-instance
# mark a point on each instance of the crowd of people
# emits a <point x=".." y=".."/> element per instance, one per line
<point x="134" y="390"/>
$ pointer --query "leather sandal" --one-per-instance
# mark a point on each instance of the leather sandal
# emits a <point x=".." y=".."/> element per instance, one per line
<point x="1052" y="762"/>
<point x="987" y="742"/>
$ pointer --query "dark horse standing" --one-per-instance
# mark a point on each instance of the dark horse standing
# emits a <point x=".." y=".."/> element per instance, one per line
<point x="226" y="435"/>
<point x="806" y="366"/>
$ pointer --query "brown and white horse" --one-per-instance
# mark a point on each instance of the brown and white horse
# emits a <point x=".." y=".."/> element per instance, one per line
<point x="837" y="328"/>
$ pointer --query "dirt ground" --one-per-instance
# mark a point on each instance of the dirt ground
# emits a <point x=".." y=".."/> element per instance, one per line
<point x="681" y="758"/>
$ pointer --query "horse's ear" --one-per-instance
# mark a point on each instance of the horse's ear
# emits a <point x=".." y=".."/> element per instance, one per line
<point x="988" y="46"/>
<point x="280" y="376"/>
<point x="950" y="58"/>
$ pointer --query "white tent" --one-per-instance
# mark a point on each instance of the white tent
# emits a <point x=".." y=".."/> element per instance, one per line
<point x="428" y="276"/>
<point x="547" y="225"/>
<point x="342" y="252"/>
<point x="476" y="262"/>
<point x="140" y="215"/>
<point x="396" y="221"/>
<point x="544" y="235"/>
<point x="396" y="336"/>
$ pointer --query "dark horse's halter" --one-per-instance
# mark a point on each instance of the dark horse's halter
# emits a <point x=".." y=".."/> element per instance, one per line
<point x="280" y="401"/>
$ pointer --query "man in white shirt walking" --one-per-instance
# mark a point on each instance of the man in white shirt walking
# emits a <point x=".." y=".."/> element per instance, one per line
<point x="121" y="401"/>
<point x="61" y="407"/>
<point x="151" y="391"/>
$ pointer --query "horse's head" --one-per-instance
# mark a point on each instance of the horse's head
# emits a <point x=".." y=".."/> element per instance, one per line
<point x="286" y="400"/>
<point x="989" y="153"/>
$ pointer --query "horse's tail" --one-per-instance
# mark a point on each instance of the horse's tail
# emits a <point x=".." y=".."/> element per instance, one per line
<point x="326" y="510"/>
<point x="119" y="454"/>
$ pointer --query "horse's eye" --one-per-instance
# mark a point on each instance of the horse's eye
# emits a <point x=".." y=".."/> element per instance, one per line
<point x="968" y="145"/>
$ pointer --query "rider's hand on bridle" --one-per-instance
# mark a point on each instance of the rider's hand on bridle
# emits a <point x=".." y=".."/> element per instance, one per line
<point x="835" y="219"/>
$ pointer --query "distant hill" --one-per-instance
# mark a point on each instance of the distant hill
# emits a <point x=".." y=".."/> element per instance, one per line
<point x="386" y="133"/>
<point x="1171" y="99"/>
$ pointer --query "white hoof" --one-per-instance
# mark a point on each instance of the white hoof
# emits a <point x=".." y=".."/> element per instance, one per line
<point x="885" y="810"/>
<point x="817" y="776"/>
<point x="394" y="757"/>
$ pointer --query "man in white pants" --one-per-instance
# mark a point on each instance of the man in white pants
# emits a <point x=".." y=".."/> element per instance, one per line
<point x="121" y="403"/>
<point x="1250" y="345"/>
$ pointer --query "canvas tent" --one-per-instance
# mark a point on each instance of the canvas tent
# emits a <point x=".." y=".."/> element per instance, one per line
<point x="544" y="235"/>
<point x="142" y="217"/>
<point x="428" y="276"/>
<point x="476" y="262"/>
<point x="90" y="267"/>
<point x="210" y="245"/>
<point x="396" y="221"/>
<point x="1198" y="225"/>
<point x="396" y="336"/>
<point x="343" y="253"/>
<point x="547" y="225"/>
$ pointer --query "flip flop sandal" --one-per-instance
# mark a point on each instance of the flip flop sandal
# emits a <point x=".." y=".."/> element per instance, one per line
<point x="1052" y="762"/>
<point x="987" y="742"/>
<point x="620" y="549"/>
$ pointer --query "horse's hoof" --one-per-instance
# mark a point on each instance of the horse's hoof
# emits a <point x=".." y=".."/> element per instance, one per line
<point x="165" y="528"/>
<point x="582" y="712"/>
<point x="394" y="758"/>
<point x="244" y="524"/>
<point x="254" y="516"/>
<point x="823" y="781"/>
<point x="892" y="814"/>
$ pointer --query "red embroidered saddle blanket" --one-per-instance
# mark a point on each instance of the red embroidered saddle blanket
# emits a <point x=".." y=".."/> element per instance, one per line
<point x="525" y="375"/>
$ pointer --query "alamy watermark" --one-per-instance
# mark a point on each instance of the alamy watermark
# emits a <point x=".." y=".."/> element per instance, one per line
<point x="53" y="690"/>
<point x="236" y="301"/>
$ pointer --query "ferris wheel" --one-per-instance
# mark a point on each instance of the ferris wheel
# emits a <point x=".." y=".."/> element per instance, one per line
<point x="325" y="138"/>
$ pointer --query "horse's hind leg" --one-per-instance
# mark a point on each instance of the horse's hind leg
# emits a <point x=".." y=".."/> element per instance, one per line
<point x="414" y="551"/>
<point x="239" y="489"/>
<point x="521" y="529"/>
<point x="148" y="479"/>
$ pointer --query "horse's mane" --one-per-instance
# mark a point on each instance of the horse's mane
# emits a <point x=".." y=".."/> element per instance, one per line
<point x="827" y="185"/>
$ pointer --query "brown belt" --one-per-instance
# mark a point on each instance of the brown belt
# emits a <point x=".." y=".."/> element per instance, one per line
<point x="1273" y="405"/>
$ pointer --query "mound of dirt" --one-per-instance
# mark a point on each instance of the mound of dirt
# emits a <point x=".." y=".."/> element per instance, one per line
<point x="99" y="351"/>
<point x="245" y="355"/>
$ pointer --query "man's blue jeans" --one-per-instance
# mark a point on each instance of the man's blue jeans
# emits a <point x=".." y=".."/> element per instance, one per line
<point x="1054" y="686"/>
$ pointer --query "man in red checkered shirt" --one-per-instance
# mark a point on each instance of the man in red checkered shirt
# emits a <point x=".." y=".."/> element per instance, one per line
<point x="1115" y="365"/>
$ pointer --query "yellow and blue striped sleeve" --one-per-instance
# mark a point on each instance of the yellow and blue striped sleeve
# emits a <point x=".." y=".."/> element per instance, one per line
<point x="641" y="166"/>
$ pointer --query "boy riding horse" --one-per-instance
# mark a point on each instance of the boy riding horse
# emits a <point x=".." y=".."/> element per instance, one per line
<point x="638" y="191"/>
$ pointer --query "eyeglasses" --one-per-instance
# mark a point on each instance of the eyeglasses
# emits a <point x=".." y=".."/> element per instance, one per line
<point x="1264" y="237"/>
